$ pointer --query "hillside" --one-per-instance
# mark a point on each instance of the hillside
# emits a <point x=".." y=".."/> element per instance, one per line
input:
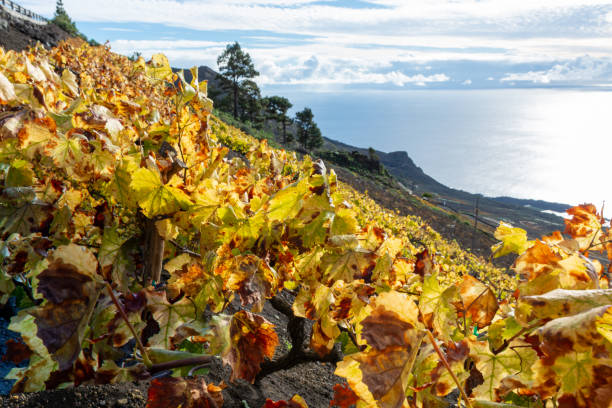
<point x="18" y="33"/>
<point x="148" y="245"/>
<point x="412" y="180"/>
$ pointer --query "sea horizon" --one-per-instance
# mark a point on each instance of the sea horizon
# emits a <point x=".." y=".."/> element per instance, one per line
<point x="526" y="143"/>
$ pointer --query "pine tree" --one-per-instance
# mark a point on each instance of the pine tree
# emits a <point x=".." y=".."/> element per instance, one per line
<point x="309" y="134"/>
<point x="235" y="65"/>
<point x="63" y="21"/>
<point x="276" y="109"/>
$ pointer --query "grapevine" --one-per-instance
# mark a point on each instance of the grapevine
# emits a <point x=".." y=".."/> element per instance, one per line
<point x="138" y="221"/>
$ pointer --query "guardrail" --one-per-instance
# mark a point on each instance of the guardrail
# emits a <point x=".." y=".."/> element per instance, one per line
<point x="23" y="12"/>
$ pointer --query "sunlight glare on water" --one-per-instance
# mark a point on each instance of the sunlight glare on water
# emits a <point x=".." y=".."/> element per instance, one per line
<point x="553" y="145"/>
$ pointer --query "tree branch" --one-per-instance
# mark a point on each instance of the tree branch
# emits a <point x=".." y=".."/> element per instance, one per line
<point x="299" y="352"/>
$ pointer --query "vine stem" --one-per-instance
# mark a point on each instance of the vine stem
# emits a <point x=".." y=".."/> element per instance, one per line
<point x="432" y="340"/>
<point x="198" y="362"/>
<point x="145" y="355"/>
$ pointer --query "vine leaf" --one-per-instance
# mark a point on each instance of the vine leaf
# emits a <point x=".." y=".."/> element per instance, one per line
<point x="171" y="392"/>
<point x="478" y="301"/>
<point x="158" y="68"/>
<point x="436" y="305"/>
<point x="576" y="366"/>
<point x="517" y="359"/>
<point x="71" y="288"/>
<point x="456" y="354"/>
<point x="295" y="402"/>
<point x="252" y="339"/>
<point x="383" y="372"/>
<point x="560" y="302"/>
<point x="20" y="174"/>
<point x="7" y="90"/>
<point x="344" y="397"/>
<point x="110" y="256"/>
<point x="352" y="264"/>
<point x="253" y="279"/>
<point x="154" y="197"/>
<point x="31" y="378"/>
<point x="169" y="316"/>
<point x="584" y="226"/>
<point x="287" y="202"/>
<point x="513" y="240"/>
<point x="604" y="325"/>
<point x="35" y="136"/>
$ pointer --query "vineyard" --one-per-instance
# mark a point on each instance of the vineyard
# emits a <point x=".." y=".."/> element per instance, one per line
<point x="141" y="234"/>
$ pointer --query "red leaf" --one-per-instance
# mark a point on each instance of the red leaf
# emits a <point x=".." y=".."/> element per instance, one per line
<point x="16" y="352"/>
<point x="295" y="402"/>
<point x="170" y="392"/>
<point x="344" y="396"/>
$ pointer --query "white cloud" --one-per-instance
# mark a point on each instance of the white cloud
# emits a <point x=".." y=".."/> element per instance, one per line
<point x="467" y="82"/>
<point x="120" y="29"/>
<point x="582" y="70"/>
<point x="374" y="43"/>
<point x="308" y="16"/>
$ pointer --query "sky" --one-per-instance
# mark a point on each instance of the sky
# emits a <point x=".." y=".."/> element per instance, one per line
<point x="378" y="44"/>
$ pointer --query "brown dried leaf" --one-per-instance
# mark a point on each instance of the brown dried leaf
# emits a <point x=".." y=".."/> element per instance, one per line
<point x="71" y="288"/>
<point x="478" y="301"/>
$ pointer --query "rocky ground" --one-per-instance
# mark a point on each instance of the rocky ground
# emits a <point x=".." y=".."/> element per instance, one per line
<point x="313" y="381"/>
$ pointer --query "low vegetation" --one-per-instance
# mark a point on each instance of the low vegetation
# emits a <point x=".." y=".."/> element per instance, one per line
<point x="146" y="245"/>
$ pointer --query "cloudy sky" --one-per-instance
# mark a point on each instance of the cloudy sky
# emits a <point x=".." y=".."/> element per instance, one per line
<point x="368" y="43"/>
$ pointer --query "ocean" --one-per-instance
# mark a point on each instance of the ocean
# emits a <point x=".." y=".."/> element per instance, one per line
<point x="546" y="144"/>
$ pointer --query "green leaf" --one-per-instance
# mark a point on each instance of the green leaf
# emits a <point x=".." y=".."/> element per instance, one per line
<point x="111" y="257"/>
<point x="20" y="174"/>
<point x="315" y="233"/>
<point x="344" y="223"/>
<point x="119" y="186"/>
<point x="286" y="203"/>
<point x="169" y="316"/>
<point x="437" y="308"/>
<point x="348" y="347"/>
<point x="154" y="197"/>
<point x="163" y="355"/>
<point x="21" y="213"/>
<point x="495" y="367"/>
<point x="31" y="378"/>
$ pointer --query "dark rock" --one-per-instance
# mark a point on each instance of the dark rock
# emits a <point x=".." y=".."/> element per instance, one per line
<point x="18" y="34"/>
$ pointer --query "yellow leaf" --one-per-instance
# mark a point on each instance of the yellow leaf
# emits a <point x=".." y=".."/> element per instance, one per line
<point x="69" y="83"/>
<point x="513" y="240"/>
<point x="159" y="68"/>
<point x="154" y="197"/>
<point x="34" y="136"/>
<point x="7" y="90"/>
<point x="166" y="229"/>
